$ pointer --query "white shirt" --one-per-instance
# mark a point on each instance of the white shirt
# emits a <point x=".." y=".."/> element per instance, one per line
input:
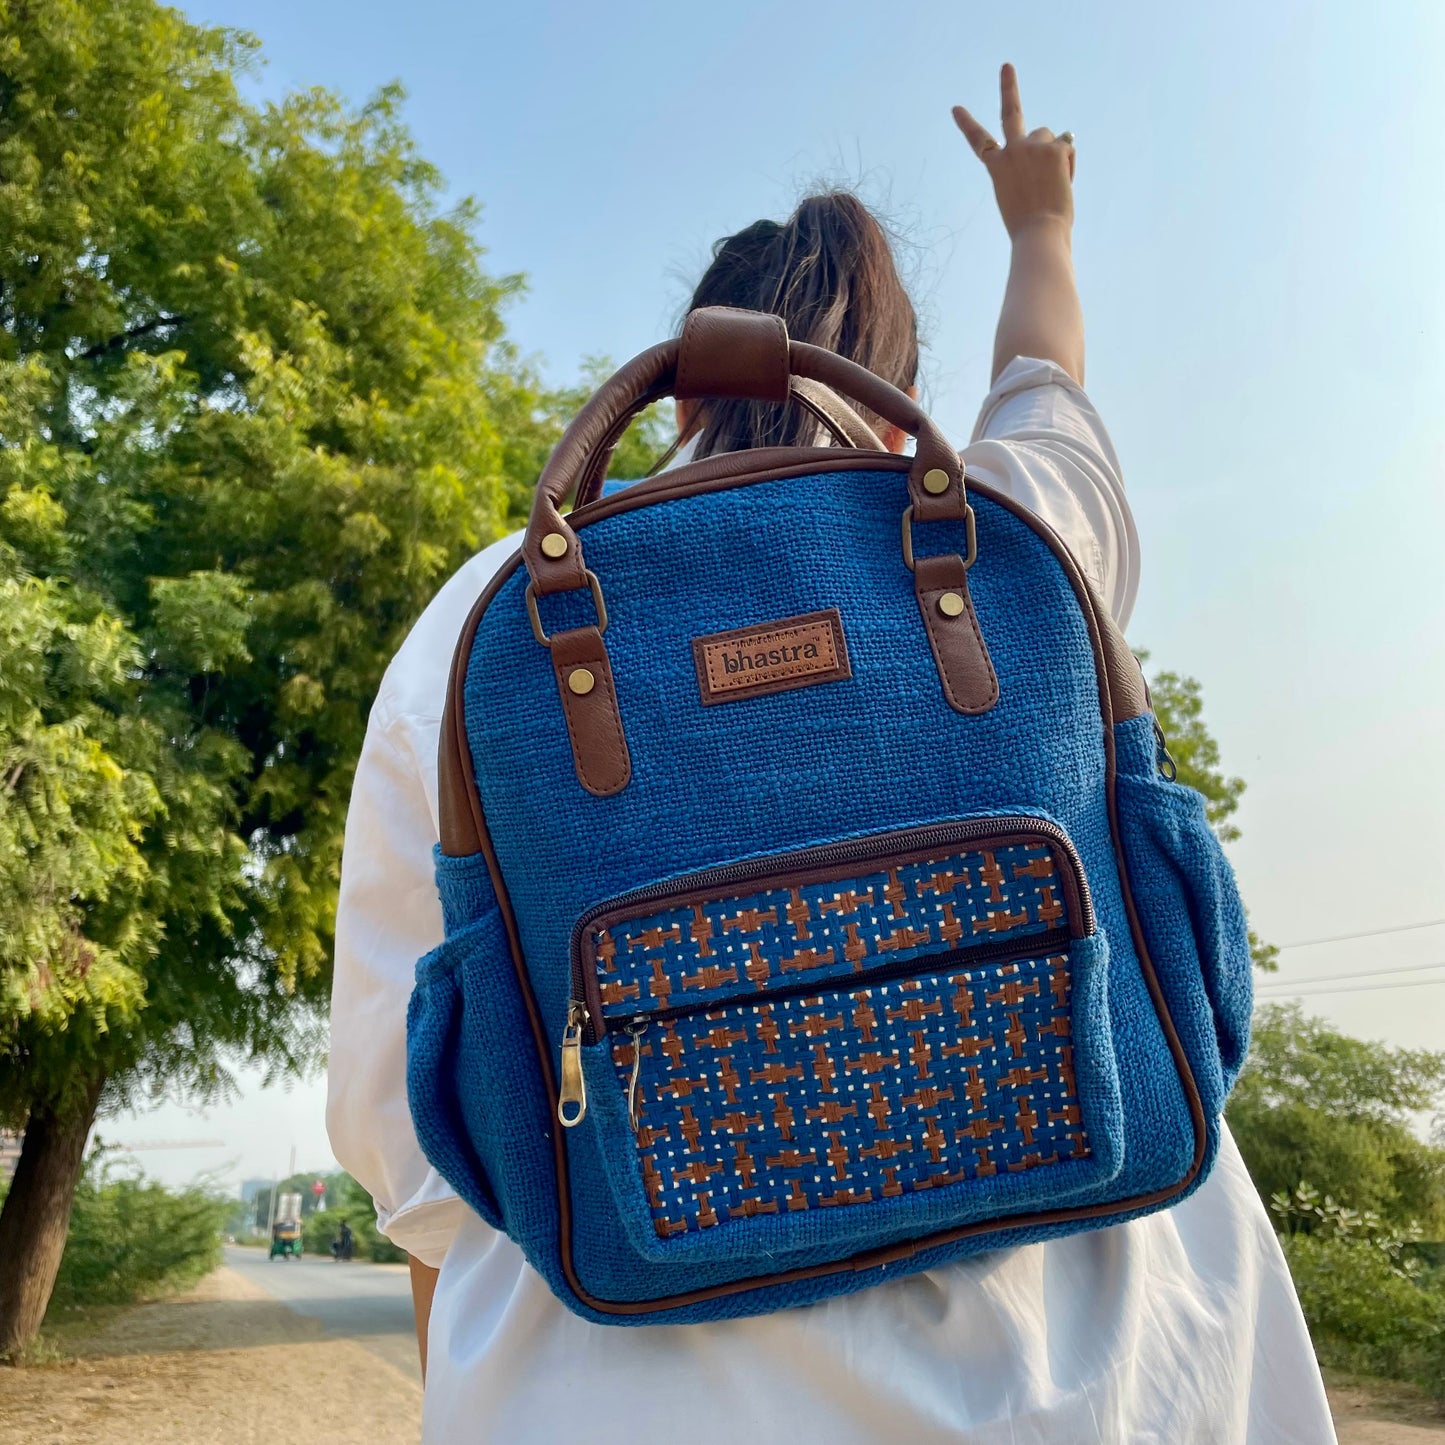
<point x="1182" y="1327"/>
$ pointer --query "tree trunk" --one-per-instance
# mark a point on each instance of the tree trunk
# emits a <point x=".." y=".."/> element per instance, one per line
<point x="36" y="1217"/>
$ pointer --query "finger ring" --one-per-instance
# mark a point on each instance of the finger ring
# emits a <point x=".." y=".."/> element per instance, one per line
<point x="1067" y="136"/>
<point x="987" y="146"/>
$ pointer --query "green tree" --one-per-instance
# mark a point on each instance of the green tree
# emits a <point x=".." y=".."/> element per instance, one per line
<point x="1316" y="1106"/>
<point x="1178" y="704"/>
<point x="252" y="375"/>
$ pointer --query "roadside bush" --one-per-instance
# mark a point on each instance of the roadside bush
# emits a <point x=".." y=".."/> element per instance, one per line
<point x="1373" y="1304"/>
<point x="322" y="1227"/>
<point x="355" y="1205"/>
<point x="131" y="1238"/>
<point x="1314" y="1103"/>
<point x="1365" y="1318"/>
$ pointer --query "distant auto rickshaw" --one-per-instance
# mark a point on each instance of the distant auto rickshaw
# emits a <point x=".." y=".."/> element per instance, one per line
<point x="286" y="1239"/>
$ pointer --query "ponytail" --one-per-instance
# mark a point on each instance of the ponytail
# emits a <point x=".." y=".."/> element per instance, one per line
<point x="829" y="272"/>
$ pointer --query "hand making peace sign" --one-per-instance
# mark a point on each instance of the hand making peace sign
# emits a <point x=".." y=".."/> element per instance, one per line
<point x="1032" y="173"/>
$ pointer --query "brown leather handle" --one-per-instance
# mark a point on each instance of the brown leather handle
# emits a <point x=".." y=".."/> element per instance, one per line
<point x="723" y="351"/>
<point x="733" y="354"/>
<point x="832" y="413"/>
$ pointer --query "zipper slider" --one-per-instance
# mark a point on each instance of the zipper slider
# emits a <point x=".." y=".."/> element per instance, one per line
<point x="635" y="1031"/>
<point x="1162" y="757"/>
<point x="573" y="1093"/>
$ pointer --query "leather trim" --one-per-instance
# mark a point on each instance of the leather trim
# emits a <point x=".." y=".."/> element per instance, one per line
<point x="705" y="478"/>
<point x="729" y="469"/>
<point x="463" y="825"/>
<point x="848" y="428"/>
<point x="823" y="629"/>
<point x="594" y="724"/>
<point x="843" y="424"/>
<point x="727" y="352"/>
<point x="458" y="826"/>
<point x="1127" y="687"/>
<point x="964" y="667"/>
<point x="589" y="485"/>
<point x="653" y="374"/>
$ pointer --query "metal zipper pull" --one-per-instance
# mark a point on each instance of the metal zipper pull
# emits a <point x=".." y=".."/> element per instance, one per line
<point x="1167" y="767"/>
<point x="573" y="1093"/>
<point x="635" y="1031"/>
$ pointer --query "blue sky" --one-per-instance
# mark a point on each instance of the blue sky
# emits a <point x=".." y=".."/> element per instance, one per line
<point x="1261" y="209"/>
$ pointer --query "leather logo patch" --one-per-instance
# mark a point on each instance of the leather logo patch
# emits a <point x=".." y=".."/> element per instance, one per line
<point x="772" y="657"/>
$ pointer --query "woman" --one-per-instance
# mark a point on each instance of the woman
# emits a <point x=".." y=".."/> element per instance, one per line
<point x="1179" y="1327"/>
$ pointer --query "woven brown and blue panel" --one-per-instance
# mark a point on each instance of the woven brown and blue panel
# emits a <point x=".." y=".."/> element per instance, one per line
<point x="704" y="950"/>
<point x="820" y="1101"/>
<point x="905" y="1068"/>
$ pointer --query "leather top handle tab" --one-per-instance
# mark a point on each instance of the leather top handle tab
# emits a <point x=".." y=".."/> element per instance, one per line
<point x="728" y="353"/>
<point x="722" y="352"/>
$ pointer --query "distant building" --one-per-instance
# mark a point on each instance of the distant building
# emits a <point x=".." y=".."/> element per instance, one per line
<point x="250" y="1188"/>
<point x="9" y="1153"/>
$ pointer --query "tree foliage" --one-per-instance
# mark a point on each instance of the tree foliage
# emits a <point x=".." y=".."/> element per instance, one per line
<point x="1178" y="704"/>
<point x="256" y="403"/>
<point x="1316" y="1106"/>
<point x="252" y="380"/>
<point x="1373" y="1304"/>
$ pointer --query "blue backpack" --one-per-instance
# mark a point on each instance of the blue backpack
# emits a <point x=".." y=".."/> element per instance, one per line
<point x="819" y="906"/>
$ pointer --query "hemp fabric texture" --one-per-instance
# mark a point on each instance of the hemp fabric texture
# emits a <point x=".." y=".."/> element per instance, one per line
<point x="878" y="752"/>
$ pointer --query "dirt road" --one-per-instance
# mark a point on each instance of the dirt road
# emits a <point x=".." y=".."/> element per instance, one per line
<point x="227" y="1364"/>
<point x="324" y="1353"/>
<point x="368" y="1303"/>
<point x="1363" y="1417"/>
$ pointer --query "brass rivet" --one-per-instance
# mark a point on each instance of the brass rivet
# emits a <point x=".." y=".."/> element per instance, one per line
<point x="554" y="544"/>
<point x="950" y="604"/>
<point x="936" y="481"/>
<point x="581" y="681"/>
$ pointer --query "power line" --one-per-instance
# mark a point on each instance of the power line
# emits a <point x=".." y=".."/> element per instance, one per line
<point x="1367" y="933"/>
<point x="1355" y="973"/>
<point x="1361" y="988"/>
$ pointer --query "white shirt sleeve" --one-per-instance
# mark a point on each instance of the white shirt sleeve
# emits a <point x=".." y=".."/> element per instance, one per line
<point x="1039" y="440"/>
<point x="388" y="916"/>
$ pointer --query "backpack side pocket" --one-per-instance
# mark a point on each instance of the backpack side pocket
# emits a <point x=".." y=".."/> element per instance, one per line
<point x="460" y="1128"/>
<point x="1193" y="922"/>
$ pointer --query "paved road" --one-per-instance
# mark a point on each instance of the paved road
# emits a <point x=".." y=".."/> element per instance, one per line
<point x="369" y="1303"/>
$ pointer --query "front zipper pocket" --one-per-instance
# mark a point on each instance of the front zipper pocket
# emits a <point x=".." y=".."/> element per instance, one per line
<point x="869" y="1021"/>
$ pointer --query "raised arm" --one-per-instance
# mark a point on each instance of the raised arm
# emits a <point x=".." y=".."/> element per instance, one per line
<point x="1033" y="181"/>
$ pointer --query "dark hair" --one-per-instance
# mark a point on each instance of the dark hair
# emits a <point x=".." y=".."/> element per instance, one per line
<point x="829" y="272"/>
